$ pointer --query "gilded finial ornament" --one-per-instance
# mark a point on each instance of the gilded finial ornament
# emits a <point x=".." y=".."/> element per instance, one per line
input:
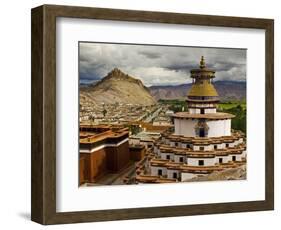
<point x="203" y="85"/>
<point x="202" y="62"/>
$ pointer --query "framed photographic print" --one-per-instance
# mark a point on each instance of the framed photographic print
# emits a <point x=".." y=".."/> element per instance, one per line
<point x="141" y="114"/>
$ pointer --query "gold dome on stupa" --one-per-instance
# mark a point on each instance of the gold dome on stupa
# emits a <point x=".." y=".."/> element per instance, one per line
<point x="202" y="87"/>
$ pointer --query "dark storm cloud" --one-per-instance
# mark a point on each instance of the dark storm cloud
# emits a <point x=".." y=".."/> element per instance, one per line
<point x="225" y="66"/>
<point x="159" y="65"/>
<point x="184" y="66"/>
<point x="150" y="55"/>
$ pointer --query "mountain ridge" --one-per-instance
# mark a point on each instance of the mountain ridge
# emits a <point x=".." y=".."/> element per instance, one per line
<point x="119" y="87"/>
<point x="227" y="90"/>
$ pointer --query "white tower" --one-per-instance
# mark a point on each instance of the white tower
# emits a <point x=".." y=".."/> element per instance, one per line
<point x="202" y="118"/>
<point x="202" y="143"/>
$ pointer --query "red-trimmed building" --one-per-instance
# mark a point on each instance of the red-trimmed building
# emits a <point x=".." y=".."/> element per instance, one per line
<point x="103" y="149"/>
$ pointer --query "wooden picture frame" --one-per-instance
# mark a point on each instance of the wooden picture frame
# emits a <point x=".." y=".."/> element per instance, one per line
<point x="43" y="189"/>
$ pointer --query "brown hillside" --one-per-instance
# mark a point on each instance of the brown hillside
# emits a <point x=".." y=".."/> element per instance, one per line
<point x="118" y="87"/>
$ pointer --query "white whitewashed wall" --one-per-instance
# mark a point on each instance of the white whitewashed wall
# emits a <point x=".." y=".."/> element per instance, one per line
<point x="185" y="127"/>
<point x="207" y="161"/>
<point x="170" y="173"/>
<point x="154" y="170"/>
<point x="177" y="159"/>
<point x="164" y="156"/>
<point x="219" y="128"/>
<point x="225" y="159"/>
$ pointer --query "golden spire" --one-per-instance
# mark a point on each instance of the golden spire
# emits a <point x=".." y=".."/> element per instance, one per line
<point x="202" y="63"/>
<point x="202" y="86"/>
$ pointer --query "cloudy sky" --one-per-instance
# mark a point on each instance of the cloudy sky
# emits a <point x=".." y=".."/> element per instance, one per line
<point x="158" y="65"/>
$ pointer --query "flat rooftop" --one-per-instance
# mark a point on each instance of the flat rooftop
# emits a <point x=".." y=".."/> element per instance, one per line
<point x="212" y="116"/>
<point x="96" y="133"/>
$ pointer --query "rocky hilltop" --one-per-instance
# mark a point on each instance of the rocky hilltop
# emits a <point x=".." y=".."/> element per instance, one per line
<point x="238" y="173"/>
<point x="119" y="87"/>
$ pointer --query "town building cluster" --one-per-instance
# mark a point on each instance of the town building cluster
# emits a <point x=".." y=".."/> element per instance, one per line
<point x="119" y="113"/>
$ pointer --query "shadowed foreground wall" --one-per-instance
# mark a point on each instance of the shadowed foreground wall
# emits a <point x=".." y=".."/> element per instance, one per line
<point x="108" y="159"/>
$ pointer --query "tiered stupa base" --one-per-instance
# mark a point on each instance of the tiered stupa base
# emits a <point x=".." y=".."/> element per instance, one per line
<point x="175" y="158"/>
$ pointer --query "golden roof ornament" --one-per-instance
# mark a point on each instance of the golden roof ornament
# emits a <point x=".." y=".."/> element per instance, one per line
<point x="202" y="63"/>
<point x="202" y="86"/>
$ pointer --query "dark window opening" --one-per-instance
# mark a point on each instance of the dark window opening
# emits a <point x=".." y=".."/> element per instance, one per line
<point x="202" y="111"/>
<point x="176" y="144"/>
<point x="215" y="147"/>
<point x="201" y="148"/>
<point x="175" y="175"/>
<point x="202" y="132"/>
<point x="220" y="160"/>
<point x="168" y="157"/>
<point x="181" y="159"/>
<point x="188" y="146"/>
<point x="233" y="158"/>
<point x="201" y="162"/>
<point x="226" y="145"/>
<point x="160" y="172"/>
